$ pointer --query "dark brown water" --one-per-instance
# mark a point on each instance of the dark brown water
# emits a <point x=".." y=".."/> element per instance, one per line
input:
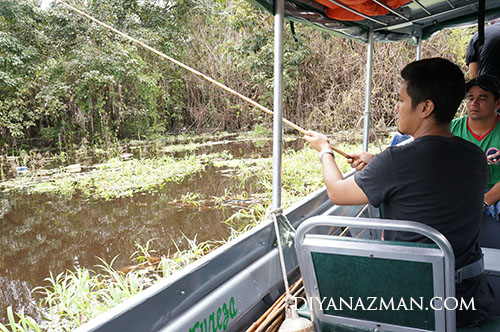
<point x="44" y="233"/>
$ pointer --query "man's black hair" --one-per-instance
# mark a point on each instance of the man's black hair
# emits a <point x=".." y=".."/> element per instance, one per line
<point x="435" y="79"/>
<point x="487" y="83"/>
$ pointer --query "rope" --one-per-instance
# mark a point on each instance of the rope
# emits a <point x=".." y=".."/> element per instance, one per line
<point x="275" y="213"/>
<point x="274" y="315"/>
<point x="194" y="71"/>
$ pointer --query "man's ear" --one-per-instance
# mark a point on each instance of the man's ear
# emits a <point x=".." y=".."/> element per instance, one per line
<point x="427" y="107"/>
<point x="497" y="104"/>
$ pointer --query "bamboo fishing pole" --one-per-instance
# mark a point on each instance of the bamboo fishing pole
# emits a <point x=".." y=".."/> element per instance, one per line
<point x="194" y="71"/>
<point x="275" y="314"/>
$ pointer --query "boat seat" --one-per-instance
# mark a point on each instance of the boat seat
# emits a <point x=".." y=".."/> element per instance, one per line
<point x="337" y="268"/>
<point x="356" y="278"/>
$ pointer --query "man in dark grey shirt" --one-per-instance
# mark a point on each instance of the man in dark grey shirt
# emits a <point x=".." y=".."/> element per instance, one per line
<point x="485" y="59"/>
<point x="438" y="179"/>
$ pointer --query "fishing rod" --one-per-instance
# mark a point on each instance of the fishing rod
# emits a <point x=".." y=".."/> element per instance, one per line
<point x="194" y="71"/>
<point x="275" y="314"/>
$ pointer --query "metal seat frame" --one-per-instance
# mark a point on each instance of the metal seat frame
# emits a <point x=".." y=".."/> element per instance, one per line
<point x="441" y="258"/>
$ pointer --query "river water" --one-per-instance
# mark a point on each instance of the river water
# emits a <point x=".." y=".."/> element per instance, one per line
<point x="40" y="234"/>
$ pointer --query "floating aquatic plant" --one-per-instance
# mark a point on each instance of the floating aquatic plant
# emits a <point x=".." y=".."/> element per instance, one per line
<point x="115" y="178"/>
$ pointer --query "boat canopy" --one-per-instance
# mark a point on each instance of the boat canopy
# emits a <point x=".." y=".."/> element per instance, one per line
<point x="389" y="20"/>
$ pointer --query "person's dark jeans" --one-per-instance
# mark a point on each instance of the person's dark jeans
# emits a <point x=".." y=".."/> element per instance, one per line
<point x="489" y="237"/>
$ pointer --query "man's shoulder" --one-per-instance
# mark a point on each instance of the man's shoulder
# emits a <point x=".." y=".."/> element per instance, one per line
<point x="455" y="142"/>
<point x="469" y="150"/>
<point x="497" y="125"/>
<point x="458" y="124"/>
<point x="462" y="141"/>
<point x="494" y="134"/>
<point x="459" y="120"/>
<point x="493" y="29"/>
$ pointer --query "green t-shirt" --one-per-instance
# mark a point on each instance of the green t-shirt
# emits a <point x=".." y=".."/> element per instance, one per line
<point x="489" y="143"/>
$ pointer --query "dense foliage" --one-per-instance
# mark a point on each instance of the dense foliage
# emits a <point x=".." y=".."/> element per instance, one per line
<point x="65" y="80"/>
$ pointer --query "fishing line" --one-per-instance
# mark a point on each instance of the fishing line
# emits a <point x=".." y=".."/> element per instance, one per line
<point x="194" y="71"/>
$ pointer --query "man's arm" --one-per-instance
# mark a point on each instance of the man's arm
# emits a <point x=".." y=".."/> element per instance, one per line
<point x="340" y="191"/>
<point x="472" y="56"/>
<point x="493" y="195"/>
<point x="473" y="69"/>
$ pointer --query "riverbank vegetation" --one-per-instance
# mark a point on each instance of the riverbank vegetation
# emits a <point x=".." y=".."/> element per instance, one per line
<point x="65" y="82"/>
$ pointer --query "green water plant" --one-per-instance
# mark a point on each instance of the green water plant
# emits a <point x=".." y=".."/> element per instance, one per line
<point x="73" y="297"/>
<point x="301" y="175"/>
<point x="21" y="324"/>
<point x="260" y="131"/>
<point x="119" y="178"/>
<point x="114" y="179"/>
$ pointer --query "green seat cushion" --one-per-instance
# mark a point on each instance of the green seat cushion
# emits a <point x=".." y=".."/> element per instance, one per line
<point x="351" y="282"/>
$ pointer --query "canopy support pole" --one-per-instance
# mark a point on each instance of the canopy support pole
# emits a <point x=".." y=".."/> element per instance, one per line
<point x="480" y="22"/>
<point x="368" y="89"/>
<point x="277" y="104"/>
<point x="419" y="48"/>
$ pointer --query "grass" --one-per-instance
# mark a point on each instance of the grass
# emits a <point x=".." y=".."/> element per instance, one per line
<point x="115" y="178"/>
<point x="74" y="297"/>
<point x="37" y="160"/>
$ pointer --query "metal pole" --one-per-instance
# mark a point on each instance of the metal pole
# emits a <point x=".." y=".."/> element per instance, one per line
<point x="419" y="48"/>
<point x="278" y="96"/>
<point x="368" y="89"/>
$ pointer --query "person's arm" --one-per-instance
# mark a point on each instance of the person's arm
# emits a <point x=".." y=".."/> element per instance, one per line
<point x="473" y="69"/>
<point x="340" y="191"/>
<point x="493" y="195"/>
<point x="472" y="56"/>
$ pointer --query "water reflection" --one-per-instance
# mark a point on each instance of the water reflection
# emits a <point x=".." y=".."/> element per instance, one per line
<point x="41" y="233"/>
<point x="44" y="233"/>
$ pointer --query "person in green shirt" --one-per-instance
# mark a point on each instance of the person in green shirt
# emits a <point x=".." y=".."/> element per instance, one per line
<point x="482" y="127"/>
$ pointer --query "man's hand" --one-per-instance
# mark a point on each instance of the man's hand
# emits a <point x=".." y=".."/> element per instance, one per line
<point x="359" y="160"/>
<point x="318" y="141"/>
<point x="493" y="195"/>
